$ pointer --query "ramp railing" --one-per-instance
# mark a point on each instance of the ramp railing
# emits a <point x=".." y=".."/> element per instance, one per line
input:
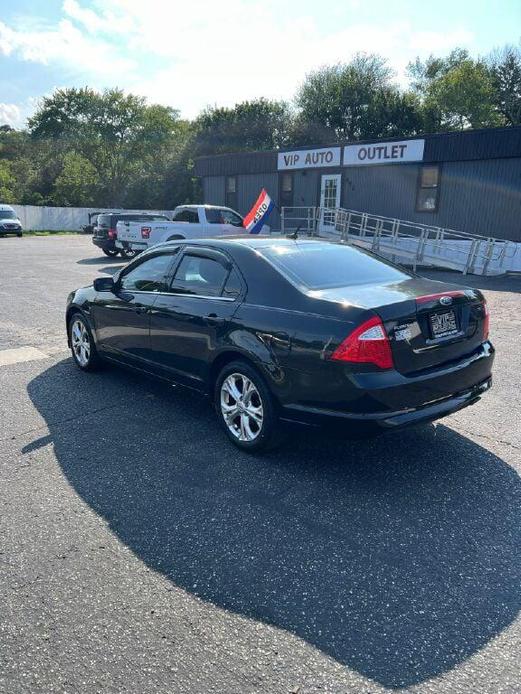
<point x="407" y="242"/>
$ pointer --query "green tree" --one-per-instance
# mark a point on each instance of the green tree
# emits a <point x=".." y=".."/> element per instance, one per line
<point x="464" y="97"/>
<point x="423" y="74"/>
<point x="356" y="100"/>
<point x="165" y="176"/>
<point x="77" y="184"/>
<point x="505" y="75"/>
<point x="113" y="131"/>
<point x="251" y="125"/>
<point x="7" y="183"/>
<point x="455" y="92"/>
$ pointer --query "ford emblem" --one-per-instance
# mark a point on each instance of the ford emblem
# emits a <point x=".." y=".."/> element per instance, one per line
<point x="445" y="300"/>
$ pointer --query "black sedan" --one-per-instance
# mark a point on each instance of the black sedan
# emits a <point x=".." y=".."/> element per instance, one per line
<point x="278" y="329"/>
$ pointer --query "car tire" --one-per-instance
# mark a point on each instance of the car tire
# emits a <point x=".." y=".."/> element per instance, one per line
<point x="19" y="236"/>
<point x="255" y="426"/>
<point x="83" y="348"/>
<point x="111" y="254"/>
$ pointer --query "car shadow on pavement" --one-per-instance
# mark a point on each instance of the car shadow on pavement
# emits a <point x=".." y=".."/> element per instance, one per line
<point x="396" y="556"/>
<point x="110" y="269"/>
<point x="103" y="259"/>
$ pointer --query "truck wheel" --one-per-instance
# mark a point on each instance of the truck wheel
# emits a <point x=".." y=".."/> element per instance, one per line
<point x="128" y="253"/>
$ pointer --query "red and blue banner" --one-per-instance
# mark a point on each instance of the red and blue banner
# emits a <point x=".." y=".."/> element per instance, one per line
<point x="256" y="217"/>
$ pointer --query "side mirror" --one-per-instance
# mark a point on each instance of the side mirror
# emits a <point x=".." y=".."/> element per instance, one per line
<point x="104" y="284"/>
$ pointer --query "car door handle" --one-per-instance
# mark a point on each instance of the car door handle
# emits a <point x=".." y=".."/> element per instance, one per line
<point x="141" y="309"/>
<point x="213" y="319"/>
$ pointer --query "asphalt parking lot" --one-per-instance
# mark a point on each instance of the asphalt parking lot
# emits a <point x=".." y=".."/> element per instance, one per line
<point x="141" y="552"/>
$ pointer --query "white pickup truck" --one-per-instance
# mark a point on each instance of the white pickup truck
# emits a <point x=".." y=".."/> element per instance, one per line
<point x="188" y="222"/>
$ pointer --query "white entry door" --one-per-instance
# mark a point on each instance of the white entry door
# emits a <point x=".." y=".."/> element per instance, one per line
<point x="330" y="188"/>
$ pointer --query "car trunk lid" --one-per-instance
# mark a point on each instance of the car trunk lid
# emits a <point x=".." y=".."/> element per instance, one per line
<point x="428" y="323"/>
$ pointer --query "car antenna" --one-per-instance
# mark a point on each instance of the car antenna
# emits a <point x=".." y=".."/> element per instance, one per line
<point x="294" y="235"/>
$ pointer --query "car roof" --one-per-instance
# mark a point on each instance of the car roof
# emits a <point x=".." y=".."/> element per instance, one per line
<point x="249" y="241"/>
<point x="6" y="207"/>
<point x="130" y="214"/>
<point x="206" y="207"/>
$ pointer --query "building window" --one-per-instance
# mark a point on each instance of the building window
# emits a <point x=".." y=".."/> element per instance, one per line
<point x="231" y="192"/>
<point x="428" y="191"/>
<point x="286" y="190"/>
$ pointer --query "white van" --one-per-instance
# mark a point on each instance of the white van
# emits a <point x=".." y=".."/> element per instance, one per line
<point x="9" y="222"/>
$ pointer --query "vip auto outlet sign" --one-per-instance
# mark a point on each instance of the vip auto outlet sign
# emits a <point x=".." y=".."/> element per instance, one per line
<point x="309" y="158"/>
<point x="354" y="155"/>
<point x="384" y="153"/>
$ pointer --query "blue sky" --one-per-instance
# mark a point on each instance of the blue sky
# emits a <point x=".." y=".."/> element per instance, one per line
<point x="190" y="55"/>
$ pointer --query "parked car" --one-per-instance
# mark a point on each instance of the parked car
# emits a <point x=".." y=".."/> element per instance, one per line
<point x="278" y="329"/>
<point x="89" y="227"/>
<point x="188" y="222"/>
<point x="9" y="222"/>
<point x="105" y="232"/>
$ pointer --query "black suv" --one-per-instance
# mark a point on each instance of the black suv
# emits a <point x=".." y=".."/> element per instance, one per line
<point x="105" y="234"/>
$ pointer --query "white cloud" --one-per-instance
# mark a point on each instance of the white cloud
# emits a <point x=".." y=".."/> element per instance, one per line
<point x="10" y="114"/>
<point x="65" y="45"/>
<point x="88" y="18"/>
<point x="210" y="53"/>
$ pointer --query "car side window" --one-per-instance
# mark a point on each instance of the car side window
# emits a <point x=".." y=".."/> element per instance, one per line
<point x="149" y="276"/>
<point x="231" y="218"/>
<point x="214" y="216"/>
<point x="199" y="276"/>
<point x="220" y="215"/>
<point x="233" y="285"/>
<point x="189" y="216"/>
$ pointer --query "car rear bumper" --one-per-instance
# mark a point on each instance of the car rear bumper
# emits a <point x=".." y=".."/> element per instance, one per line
<point x="104" y="243"/>
<point x="392" y="400"/>
<point x="133" y="245"/>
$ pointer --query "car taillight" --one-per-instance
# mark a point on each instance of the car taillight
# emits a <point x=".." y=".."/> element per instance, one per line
<point x="367" y="344"/>
<point x="486" y="320"/>
<point x="145" y="232"/>
<point x="112" y="234"/>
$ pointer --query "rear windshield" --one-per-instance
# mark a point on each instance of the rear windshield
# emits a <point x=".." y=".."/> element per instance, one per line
<point x="320" y="266"/>
<point x="7" y="214"/>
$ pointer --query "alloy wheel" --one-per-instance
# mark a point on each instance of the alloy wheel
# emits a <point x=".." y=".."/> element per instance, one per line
<point x="80" y="340"/>
<point x="241" y="407"/>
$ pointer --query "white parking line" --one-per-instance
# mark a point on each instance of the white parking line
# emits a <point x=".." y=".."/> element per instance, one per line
<point x="20" y="354"/>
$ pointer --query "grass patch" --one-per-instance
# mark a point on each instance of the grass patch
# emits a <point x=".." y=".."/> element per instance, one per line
<point x="48" y="232"/>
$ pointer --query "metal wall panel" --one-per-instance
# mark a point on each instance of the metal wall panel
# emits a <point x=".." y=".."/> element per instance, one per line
<point x="213" y="190"/>
<point x="492" y="143"/>
<point x="240" y="162"/>
<point x="480" y="197"/>
<point x="467" y="145"/>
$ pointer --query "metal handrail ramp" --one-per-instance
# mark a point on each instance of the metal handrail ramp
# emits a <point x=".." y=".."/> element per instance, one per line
<point x="407" y="242"/>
